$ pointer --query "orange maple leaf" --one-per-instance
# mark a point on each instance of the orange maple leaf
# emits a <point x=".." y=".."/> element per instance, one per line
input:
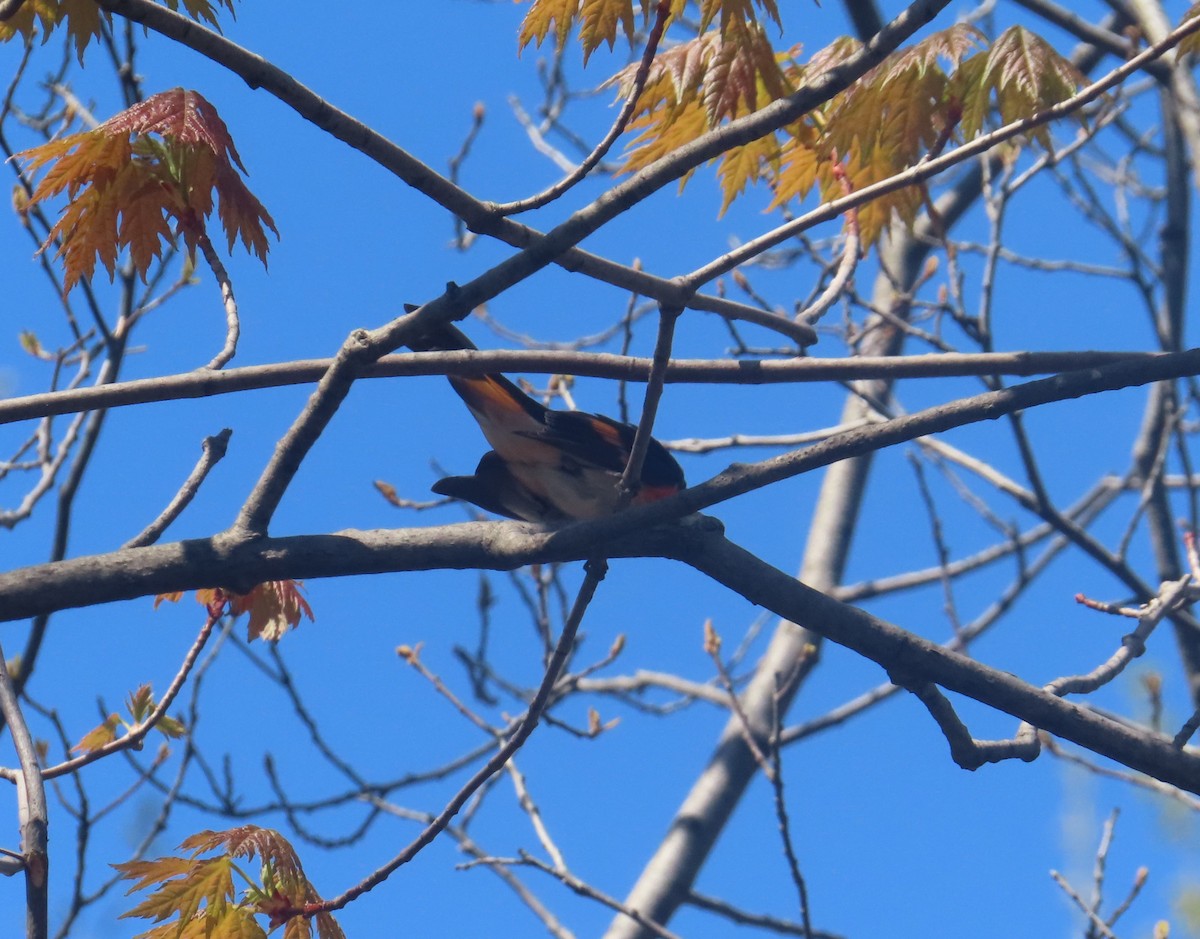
<point x="143" y="178"/>
<point x="83" y="19"/>
<point x="274" y="607"/>
<point x="199" y="892"/>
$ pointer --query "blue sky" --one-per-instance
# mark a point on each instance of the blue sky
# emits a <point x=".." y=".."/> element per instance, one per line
<point x="893" y="838"/>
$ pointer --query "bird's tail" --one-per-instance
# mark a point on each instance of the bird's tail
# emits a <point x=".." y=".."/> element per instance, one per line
<point x="445" y="337"/>
<point x="493" y="399"/>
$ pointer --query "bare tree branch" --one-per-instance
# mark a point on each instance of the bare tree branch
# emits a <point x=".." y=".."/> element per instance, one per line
<point x="213" y="452"/>
<point x="625" y="368"/>
<point x="32" y="810"/>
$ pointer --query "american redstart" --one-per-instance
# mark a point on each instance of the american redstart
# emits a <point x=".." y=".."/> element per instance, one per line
<point x="544" y="465"/>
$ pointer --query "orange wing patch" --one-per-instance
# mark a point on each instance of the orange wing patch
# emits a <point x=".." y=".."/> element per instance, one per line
<point x="495" y="398"/>
<point x="609" y="433"/>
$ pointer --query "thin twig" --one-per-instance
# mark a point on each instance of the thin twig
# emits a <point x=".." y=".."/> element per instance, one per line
<point x="587" y="890"/>
<point x="481" y="859"/>
<point x="631" y="479"/>
<point x="589" y="162"/>
<point x="232" y="325"/>
<point x="845" y="270"/>
<point x="939" y="543"/>
<point x="412" y="655"/>
<point x="32" y="809"/>
<point x="741" y="917"/>
<point x="133" y="738"/>
<point x="642" y="680"/>
<point x="1101" y="862"/>
<point x="1095" y="921"/>
<point x="213" y="450"/>
<point x="535" y="816"/>
<point x="1140" y="876"/>
<point x="1187" y="730"/>
<point x="712" y="645"/>
<point x="1172" y="596"/>
<point x="478" y="113"/>
<point x="967" y="751"/>
<point x="595" y="571"/>
<point x="782" y="693"/>
<point x="1141" y="781"/>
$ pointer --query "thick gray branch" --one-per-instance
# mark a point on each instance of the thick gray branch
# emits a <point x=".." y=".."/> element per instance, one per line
<point x="504" y="545"/>
<point x="899" y="651"/>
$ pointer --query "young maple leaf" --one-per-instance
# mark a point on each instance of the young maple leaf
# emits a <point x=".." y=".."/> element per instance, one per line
<point x="1025" y="73"/>
<point x="736" y="11"/>
<point x="1191" y="43"/>
<point x="544" y="15"/>
<point x="275" y="607"/>
<point x="598" y="22"/>
<point x="903" y="110"/>
<point x="746" y="164"/>
<point x="82" y="19"/>
<point x="203" y="10"/>
<point x="143" y="178"/>
<point x="99" y="736"/>
<point x="726" y="70"/>
<point x="692" y="87"/>
<point x="199" y="891"/>
<point x="189" y="888"/>
<point x="141" y="705"/>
